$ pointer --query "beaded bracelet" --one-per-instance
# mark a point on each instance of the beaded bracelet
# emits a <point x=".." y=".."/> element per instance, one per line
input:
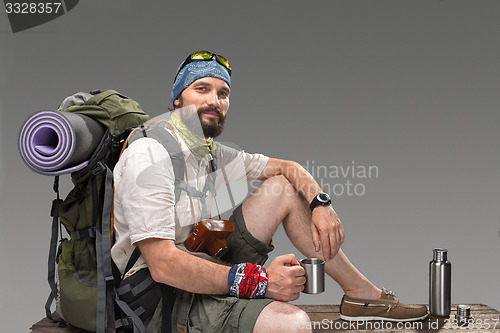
<point x="247" y="280"/>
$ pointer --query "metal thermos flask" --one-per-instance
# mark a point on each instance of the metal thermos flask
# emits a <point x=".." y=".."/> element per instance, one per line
<point x="440" y="284"/>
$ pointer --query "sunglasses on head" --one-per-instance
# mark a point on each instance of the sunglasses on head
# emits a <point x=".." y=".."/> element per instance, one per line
<point x="205" y="56"/>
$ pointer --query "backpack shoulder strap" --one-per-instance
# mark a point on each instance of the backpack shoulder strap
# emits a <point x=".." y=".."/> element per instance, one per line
<point x="167" y="140"/>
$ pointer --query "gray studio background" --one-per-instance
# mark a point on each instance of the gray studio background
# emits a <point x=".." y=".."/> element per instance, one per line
<point x="409" y="88"/>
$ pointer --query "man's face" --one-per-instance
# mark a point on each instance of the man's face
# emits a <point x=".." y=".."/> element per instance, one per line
<point x="210" y="97"/>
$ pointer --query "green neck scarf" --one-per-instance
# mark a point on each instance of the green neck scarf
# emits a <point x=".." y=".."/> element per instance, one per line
<point x="199" y="146"/>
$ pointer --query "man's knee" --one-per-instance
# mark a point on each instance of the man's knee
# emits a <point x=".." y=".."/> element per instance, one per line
<point x="277" y="186"/>
<point x="282" y="317"/>
<point x="299" y="320"/>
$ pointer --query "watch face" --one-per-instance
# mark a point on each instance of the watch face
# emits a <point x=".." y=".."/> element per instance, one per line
<point x="323" y="197"/>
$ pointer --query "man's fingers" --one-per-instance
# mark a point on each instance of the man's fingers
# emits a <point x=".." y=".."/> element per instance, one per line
<point x="341" y="234"/>
<point x="301" y="281"/>
<point x="338" y="239"/>
<point x="327" y="245"/>
<point x="287" y="259"/>
<point x="327" y="232"/>
<point x="298" y="271"/>
<point x="315" y="237"/>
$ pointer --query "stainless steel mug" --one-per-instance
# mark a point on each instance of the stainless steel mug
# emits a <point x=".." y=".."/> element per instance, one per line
<point x="315" y="275"/>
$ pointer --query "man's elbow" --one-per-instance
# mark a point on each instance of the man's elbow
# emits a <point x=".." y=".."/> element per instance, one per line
<point x="278" y="167"/>
<point x="158" y="274"/>
<point x="161" y="258"/>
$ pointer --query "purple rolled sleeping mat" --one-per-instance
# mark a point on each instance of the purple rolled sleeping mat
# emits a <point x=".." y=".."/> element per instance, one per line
<point x="58" y="142"/>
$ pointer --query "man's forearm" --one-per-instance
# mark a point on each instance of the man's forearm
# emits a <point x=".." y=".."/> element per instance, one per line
<point x="297" y="175"/>
<point x="182" y="270"/>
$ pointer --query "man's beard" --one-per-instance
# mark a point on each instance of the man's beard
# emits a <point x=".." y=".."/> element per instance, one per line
<point x="212" y="128"/>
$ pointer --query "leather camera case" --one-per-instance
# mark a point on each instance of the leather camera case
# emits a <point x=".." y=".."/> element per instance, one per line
<point x="210" y="236"/>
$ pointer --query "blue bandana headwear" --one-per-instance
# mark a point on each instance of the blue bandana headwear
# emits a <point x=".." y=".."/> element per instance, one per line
<point x="196" y="70"/>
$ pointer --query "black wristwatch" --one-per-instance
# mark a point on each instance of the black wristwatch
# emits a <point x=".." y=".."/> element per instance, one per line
<point x="322" y="199"/>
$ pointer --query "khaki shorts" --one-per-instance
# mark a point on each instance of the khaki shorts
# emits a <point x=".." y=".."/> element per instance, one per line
<point x="209" y="313"/>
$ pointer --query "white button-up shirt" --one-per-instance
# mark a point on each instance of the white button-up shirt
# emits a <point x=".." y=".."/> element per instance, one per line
<point x="144" y="199"/>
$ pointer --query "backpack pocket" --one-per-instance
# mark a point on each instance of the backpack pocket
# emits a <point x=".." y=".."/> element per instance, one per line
<point x="77" y="260"/>
<point x="78" y="297"/>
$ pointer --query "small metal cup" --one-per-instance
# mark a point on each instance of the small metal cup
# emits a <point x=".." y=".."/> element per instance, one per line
<point x="463" y="316"/>
<point x="315" y="275"/>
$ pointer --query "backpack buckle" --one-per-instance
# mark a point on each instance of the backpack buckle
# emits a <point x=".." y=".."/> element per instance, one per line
<point x="99" y="167"/>
<point x="89" y="232"/>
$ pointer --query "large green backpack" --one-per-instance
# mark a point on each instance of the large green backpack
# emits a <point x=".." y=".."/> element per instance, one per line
<point x="85" y="288"/>
<point x="92" y="295"/>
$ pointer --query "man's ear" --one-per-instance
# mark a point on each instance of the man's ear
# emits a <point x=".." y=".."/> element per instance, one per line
<point x="177" y="102"/>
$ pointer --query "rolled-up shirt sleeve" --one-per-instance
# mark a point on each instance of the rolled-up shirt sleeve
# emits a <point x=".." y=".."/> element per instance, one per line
<point x="240" y="165"/>
<point x="144" y="188"/>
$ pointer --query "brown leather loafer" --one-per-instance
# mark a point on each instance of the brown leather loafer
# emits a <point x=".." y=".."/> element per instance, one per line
<point x="387" y="307"/>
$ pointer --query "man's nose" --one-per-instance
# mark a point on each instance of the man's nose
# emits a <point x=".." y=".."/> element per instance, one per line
<point x="213" y="99"/>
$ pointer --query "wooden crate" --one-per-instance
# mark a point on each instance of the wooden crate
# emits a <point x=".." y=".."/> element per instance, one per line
<point x="326" y="319"/>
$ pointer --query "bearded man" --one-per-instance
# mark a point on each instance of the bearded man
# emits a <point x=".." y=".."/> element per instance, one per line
<point x="234" y="293"/>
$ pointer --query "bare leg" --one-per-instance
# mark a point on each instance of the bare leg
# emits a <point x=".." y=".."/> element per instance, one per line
<point x="291" y="319"/>
<point x="275" y="202"/>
